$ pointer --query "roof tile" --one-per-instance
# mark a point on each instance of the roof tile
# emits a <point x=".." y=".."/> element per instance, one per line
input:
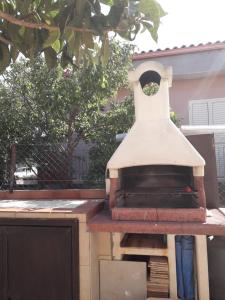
<point x="180" y="50"/>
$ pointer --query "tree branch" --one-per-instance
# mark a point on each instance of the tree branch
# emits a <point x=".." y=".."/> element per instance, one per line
<point x="4" y="40"/>
<point x="32" y="25"/>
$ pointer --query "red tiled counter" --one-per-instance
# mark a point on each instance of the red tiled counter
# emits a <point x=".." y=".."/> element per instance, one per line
<point x="156" y="214"/>
<point x="214" y="225"/>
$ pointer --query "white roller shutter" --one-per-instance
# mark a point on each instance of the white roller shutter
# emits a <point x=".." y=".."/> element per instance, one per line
<point x="198" y="112"/>
<point x="217" y="111"/>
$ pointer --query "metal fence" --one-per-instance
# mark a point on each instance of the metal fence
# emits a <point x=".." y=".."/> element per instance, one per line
<point x="220" y="164"/>
<point x="221" y="190"/>
<point x="42" y="166"/>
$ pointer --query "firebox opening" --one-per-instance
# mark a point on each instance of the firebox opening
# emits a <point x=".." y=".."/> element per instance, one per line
<point x="150" y="82"/>
<point x="157" y="186"/>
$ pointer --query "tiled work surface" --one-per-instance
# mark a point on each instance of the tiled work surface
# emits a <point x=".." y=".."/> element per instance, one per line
<point x="38" y="204"/>
<point x="81" y="209"/>
<point x="214" y="225"/>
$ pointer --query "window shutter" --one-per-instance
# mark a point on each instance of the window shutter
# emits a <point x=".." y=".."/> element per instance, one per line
<point x="198" y="112"/>
<point x="218" y="112"/>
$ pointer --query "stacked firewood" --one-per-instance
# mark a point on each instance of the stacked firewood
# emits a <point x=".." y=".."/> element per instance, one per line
<point x="158" y="277"/>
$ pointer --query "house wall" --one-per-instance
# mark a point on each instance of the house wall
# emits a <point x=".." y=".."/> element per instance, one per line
<point x="189" y="65"/>
<point x="184" y="90"/>
<point x="198" y="73"/>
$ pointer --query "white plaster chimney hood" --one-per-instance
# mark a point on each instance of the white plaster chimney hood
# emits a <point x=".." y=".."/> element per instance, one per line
<point x="153" y="138"/>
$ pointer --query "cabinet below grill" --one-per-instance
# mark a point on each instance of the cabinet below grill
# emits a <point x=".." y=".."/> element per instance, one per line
<point x="39" y="259"/>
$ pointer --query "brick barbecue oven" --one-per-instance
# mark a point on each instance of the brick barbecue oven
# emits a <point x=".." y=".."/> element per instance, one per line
<point x="155" y="174"/>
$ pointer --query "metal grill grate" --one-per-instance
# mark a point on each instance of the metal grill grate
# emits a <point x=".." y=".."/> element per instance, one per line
<point x="165" y="200"/>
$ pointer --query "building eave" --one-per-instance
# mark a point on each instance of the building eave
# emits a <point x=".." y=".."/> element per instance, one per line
<point x="179" y="51"/>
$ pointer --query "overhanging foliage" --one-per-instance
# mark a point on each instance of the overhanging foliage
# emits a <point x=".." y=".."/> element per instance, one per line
<point x="71" y="30"/>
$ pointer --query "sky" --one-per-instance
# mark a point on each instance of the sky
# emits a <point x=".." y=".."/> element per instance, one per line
<point x="187" y="22"/>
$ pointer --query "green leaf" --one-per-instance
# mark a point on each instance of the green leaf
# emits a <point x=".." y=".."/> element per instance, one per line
<point x="114" y="15"/>
<point x="8" y="8"/>
<point x="151" y="29"/>
<point x="31" y="42"/>
<point x="53" y="36"/>
<point x="153" y="10"/>
<point x="151" y="7"/>
<point x="64" y="17"/>
<point x="104" y="82"/>
<point x="13" y="31"/>
<point x="22" y="31"/>
<point x="71" y="45"/>
<point x="124" y="26"/>
<point x="4" y="57"/>
<point x="107" y="2"/>
<point x="68" y="34"/>
<point x="99" y="23"/>
<point x="87" y="14"/>
<point x="37" y="3"/>
<point x="56" y="46"/>
<point x="65" y="58"/>
<point x="53" y="13"/>
<point x="23" y="6"/>
<point x="50" y="57"/>
<point x="50" y="5"/>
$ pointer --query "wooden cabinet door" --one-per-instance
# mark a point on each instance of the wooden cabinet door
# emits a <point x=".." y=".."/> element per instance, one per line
<point x="216" y="259"/>
<point x="1" y="266"/>
<point x="42" y="261"/>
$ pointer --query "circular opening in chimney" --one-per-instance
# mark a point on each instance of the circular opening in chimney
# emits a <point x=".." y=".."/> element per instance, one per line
<point x="150" y="82"/>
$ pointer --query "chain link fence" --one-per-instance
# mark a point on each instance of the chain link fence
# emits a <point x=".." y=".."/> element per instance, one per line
<point x="4" y="166"/>
<point x="221" y="189"/>
<point x="220" y="164"/>
<point x="53" y="166"/>
<point x="43" y="166"/>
